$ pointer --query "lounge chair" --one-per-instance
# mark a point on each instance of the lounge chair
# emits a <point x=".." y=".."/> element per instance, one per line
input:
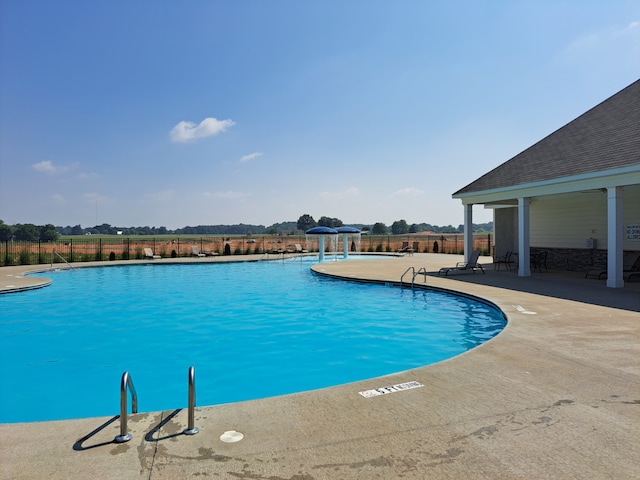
<point x="471" y="266"/>
<point x="277" y="250"/>
<point x="299" y="249"/>
<point x="195" y="252"/>
<point x="405" y="249"/>
<point x="630" y="268"/>
<point x="148" y="253"/>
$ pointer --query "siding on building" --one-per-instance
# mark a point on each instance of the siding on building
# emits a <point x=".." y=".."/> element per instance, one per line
<point x="568" y="220"/>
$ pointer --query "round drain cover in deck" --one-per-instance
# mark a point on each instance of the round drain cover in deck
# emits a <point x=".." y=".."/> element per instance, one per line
<point x="231" y="436"/>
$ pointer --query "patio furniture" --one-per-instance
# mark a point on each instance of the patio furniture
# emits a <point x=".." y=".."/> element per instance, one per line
<point x="539" y="261"/>
<point x="503" y="260"/>
<point x="148" y="253"/>
<point x="471" y="266"/>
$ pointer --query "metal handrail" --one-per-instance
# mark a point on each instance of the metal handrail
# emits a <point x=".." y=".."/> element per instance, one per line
<point x="60" y="257"/>
<point x="191" y="428"/>
<point x="421" y="271"/>
<point x="125" y="383"/>
<point x="406" y="271"/>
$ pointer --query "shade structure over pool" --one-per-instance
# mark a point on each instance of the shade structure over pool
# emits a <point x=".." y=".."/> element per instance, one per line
<point x="346" y="232"/>
<point x="322" y="232"/>
<point x="346" y="229"/>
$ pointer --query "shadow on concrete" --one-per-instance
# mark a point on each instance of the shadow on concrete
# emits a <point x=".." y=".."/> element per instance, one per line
<point x="149" y="437"/>
<point x="79" y="447"/>
<point x="559" y="284"/>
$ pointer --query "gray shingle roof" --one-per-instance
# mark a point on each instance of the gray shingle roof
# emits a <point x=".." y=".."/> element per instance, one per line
<point x="603" y="138"/>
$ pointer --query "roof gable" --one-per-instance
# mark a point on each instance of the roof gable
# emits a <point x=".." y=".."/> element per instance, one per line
<point x="603" y="138"/>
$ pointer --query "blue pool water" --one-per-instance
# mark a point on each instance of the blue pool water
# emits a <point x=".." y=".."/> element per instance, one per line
<point x="251" y="330"/>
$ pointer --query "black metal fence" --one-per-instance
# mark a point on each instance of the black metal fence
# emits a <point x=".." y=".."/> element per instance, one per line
<point x="88" y="249"/>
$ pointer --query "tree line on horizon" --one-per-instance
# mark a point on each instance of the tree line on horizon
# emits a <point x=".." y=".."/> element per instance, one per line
<point x="46" y="233"/>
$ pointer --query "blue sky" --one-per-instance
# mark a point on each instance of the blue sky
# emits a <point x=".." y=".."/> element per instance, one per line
<point x="172" y="113"/>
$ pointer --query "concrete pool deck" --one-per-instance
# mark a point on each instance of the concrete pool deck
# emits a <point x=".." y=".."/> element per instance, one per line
<point x="555" y="396"/>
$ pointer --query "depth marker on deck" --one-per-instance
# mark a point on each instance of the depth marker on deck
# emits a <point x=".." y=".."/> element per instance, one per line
<point x="390" y="389"/>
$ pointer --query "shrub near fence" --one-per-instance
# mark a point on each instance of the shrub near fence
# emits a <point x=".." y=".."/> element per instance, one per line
<point x="84" y="249"/>
<point x="452" y="243"/>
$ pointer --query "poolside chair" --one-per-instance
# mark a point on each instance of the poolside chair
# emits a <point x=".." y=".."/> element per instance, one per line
<point x="503" y="260"/>
<point x="630" y="268"/>
<point x="195" y="252"/>
<point x="631" y="262"/>
<point x="539" y="261"/>
<point x="299" y="249"/>
<point x="148" y="253"/>
<point x="469" y="267"/>
<point x="277" y="249"/>
<point x="405" y="249"/>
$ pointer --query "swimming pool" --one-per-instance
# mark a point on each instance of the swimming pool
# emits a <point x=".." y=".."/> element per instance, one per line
<point x="251" y="329"/>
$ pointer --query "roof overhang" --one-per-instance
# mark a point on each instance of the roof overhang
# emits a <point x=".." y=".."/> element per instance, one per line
<point x="590" y="181"/>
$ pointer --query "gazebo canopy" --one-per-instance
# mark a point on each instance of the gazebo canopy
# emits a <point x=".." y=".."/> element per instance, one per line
<point x="347" y="230"/>
<point x="321" y="231"/>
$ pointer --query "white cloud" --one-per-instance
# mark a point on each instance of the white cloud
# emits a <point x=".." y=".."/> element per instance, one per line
<point x="230" y="195"/>
<point x="58" y="199"/>
<point x="46" y="166"/>
<point x="349" y="192"/>
<point x="251" y="156"/>
<point x="87" y="176"/>
<point x="188" y="131"/>
<point x="94" y="197"/>
<point x="408" y="192"/>
<point x="632" y="28"/>
<point x="162" y="196"/>
<point x="612" y="39"/>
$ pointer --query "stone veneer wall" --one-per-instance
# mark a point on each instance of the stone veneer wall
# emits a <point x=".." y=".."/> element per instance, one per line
<point x="574" y="259"/>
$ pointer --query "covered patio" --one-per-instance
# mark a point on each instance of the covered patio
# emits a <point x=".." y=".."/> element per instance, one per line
<point x="574" y="195"/>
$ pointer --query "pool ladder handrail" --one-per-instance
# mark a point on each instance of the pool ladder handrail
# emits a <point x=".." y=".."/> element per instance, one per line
<point x="191" y="428"/>
<point x="61" y="258"/>
<point x="125" y="383"/>
<point x="420" y="271"/>
<point x="405" y="272"/>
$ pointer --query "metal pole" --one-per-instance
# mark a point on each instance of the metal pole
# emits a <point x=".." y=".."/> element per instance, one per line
<point x="124" y="383"/>
<point x="191" y="428"/>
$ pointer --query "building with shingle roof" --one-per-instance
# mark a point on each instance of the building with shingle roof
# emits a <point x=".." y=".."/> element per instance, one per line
<point x="574" y="196"/>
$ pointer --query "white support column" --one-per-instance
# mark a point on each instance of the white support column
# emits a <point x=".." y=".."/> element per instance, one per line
<point x="614" y="237"/>
<point x="524" y="257"/>
<point x="468" y="231"/>
<point x="321" y="248"/>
